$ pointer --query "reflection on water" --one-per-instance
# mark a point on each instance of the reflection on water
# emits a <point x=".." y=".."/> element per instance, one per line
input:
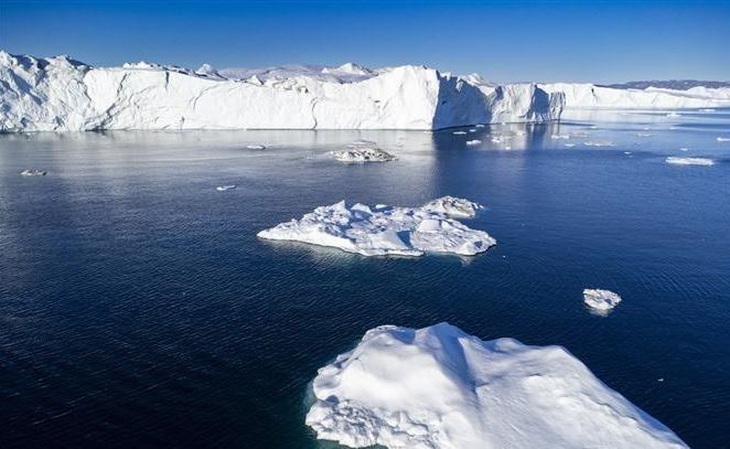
<point x="138" y="308"/>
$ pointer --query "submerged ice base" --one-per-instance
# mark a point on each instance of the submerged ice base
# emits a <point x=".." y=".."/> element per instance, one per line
<point x="440" y="388"/>
<point x="388" y="230"/>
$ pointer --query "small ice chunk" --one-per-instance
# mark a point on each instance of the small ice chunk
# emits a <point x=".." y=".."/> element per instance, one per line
<point x="644" y="134"/>
<point x="479" y="126"/>
<point x="256" y="147"/>
<point x="569" y="145"/>
<point x="362" y="154"/>
<point x="600" y="300"/>
<point x="560" y="136"/>
<point x="689" y="161"/>
<point x="598" y="143"/>
<point x="224" y="188"/>
<point x="684" y="149"/>
<point x="723" y="139"/>
<point x="473" y="142"/>
<point x="459" y="133"/>
<point x="33" y="172"/>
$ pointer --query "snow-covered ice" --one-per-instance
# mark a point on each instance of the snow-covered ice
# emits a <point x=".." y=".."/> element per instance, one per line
<point x="61" y="94"/>
<point x="388" y="230"/>
<point x="224" y="188"/>
<point x="598" y="143"/>
<point x="440" y="388"/>
<point x="600" y="300"/>
<point x="689" y="161"/>
<point x="33" y="172"/>
<point x="362" y="150"/>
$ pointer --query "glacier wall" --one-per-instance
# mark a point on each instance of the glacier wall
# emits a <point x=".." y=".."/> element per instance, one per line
<point x="60" y="94"/>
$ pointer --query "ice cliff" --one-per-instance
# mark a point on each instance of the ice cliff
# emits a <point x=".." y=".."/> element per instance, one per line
<point x="60" y="94"/>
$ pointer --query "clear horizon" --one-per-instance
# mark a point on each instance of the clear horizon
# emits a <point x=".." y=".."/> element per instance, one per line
<point x="540" y="41"/>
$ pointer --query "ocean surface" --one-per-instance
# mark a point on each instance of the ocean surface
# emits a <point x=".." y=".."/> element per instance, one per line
<point x="138" y="308"/>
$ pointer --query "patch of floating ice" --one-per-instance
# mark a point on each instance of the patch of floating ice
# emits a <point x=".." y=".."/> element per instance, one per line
<point x="600" y="300"/>
<point x="473" y="142"/>
<point x="674" y="114"/>
<point x="560" y="136"/>
<point x="256" y="147"/>
<point x="440" y="388"/>
<point x="707" y="110"/>
<point x="224" y="188"/>
<point x="389" y="230"/>
<point x="459" y="133"/>
<point x="689" y="161"/>
<point x="598" y="143"/>
<point x="362" y="154"/>
<point x="472" y="130"/>
<point x="33" y="172"/>
<point x="684" y="149"/>
<point x="569" y="145"/>
<point x="627" y="152"/>
<point x="723" y="139"/>
<point x="479" y="126"/>
<point x="644" y="134"/>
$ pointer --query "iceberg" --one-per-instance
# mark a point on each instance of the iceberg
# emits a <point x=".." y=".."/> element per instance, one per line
<point x="600" y="300"/>
<point x="440" y="388"/>
<point x="387" y="230"/>
<point x="362" y="151"/>
<point x="61" y="94"/>
<point x="689" y="161"/>
<point x="33" y="172"/>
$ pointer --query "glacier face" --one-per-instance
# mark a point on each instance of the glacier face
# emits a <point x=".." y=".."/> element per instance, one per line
<point x="60" y="94"/>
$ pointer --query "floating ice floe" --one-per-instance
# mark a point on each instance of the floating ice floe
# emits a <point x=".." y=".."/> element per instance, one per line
<point x="689" y="161"/>
<point x="569" y="145"/>
<point x="256" y="147"/>
<point x="473" y="142"/>
<point x="600" y="300"/>
<point x="684" y="149"/>
<point x="388" y="230"/>
<point x="599" y="143"/>
<point x="560" y="136"/>
<point x="440" y="388"/>
<point x="33" y="172"/>
<point x="479" y="126"/>
<point x="362" y="154"/>
<point x="723" y="139"/>
<point x="224" y="188"/>
<point x="674" y="114"/>
<point x="707" y="110"/>
<point x="644" y="134"/>
<point x="459" y="133"/>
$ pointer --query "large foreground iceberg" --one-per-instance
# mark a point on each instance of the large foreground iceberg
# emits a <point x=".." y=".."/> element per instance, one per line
<point x="387" y="230"/>
<point x="60" y="94"/>
<point x="439" y="388"/>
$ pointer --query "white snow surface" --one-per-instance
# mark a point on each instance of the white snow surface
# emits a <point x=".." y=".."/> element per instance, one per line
<point x="388" y="230"/>
<point x="689" y="161"/>
<point x="60" y="94"/>
<point x="362" y="154"/>
<point x="440" y="388"/>
<point x="590" y="96"/>
<point x="600" y="300"/>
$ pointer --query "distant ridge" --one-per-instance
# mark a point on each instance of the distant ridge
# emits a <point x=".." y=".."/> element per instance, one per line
<point x="669" y="84"/>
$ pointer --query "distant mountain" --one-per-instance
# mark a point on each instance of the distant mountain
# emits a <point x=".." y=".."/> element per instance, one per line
<point x="669" y="84"/>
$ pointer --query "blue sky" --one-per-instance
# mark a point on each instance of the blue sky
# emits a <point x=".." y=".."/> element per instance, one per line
<point x="504" y="41"/>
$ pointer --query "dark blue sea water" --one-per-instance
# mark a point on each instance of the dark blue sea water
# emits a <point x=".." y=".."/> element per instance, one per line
<point x="138" y="309"/>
